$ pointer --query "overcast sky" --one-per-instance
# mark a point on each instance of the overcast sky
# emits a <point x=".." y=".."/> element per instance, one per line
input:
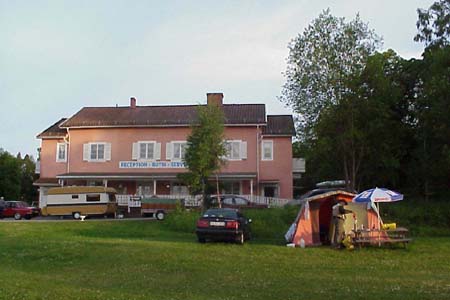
<point x="58" y="56"/>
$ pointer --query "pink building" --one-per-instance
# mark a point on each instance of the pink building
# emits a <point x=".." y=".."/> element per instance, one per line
<point x="140" y="149"/>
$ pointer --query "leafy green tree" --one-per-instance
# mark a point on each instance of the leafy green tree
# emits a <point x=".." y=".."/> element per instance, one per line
<point x="430" y="101"/>
<point x="365" y="135"/>
<point x="321" y="61"/>
<point x="10" y="173"/>
<point x="205" y="148"/>
<point x="323" y="65"/>
<point x="430" y="105"/>
<point x="28" y="191"/>
<point x="433" y="24"/>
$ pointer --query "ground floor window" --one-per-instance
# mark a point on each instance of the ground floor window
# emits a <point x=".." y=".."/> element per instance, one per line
<point x="178" y="189"/>
<point x="94" y="183"/>
<point x="145" y="188"/>
<point x="231" y="187"/>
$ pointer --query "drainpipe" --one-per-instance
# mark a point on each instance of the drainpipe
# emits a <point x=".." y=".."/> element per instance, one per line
<point x="257" y="159"/>
<point x="67" y="141"/>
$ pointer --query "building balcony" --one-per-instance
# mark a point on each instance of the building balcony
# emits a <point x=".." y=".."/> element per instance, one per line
<point x="298" y="167"/>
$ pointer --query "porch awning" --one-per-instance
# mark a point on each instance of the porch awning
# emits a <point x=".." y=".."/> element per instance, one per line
<point x="151" y="176"/>
<point x="269" y="181"/>
<point x="46" y="182"/>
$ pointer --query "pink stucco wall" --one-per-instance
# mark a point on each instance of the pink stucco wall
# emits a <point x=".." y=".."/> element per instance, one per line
<point x="280" y="168"/>
<point x="49" y="167"/>
<point x="122" y="139"/>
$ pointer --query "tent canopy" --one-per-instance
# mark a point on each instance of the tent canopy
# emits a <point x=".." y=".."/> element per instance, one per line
<point x="314" y="223"/>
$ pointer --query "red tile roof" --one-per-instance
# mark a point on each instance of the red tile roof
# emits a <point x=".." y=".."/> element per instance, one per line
<point x="53" y="131"/>
<point x="177" y="115"/>
<point x="46" y="181"/>
<point x="279" y="125"/>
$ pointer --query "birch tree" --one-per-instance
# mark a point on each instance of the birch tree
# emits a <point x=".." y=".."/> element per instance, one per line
<point x="322" y="66"/>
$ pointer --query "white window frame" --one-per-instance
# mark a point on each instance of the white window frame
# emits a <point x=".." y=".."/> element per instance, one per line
<point x="267" y="142"/>
<point x="146" y="151"/>
<point x="239" y="192"/>
<point x="104" y="152"/>
<point x="230" y="157"/>
<point x="174" y="158"/>
<point x="58" y="159"/>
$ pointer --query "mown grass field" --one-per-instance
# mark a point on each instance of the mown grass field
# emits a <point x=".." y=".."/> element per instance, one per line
<point x="151" y="260"/>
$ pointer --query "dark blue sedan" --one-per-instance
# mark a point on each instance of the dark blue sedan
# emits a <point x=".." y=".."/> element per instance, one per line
<point x="223" y="224"/>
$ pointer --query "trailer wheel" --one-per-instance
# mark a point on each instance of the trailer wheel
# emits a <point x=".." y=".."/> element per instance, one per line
<point x="76" y="215"/>
<point x="160" y="215"/>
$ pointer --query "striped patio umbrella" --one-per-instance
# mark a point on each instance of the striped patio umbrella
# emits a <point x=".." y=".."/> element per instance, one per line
<point x="374" y="197"/>
<point x="378" y="195"/>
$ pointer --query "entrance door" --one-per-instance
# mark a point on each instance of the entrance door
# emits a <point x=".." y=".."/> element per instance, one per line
<point x="270" y="190"/>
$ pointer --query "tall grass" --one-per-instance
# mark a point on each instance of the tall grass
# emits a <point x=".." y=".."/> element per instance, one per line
<point x="421" y="218"/>
<point x="430" y="218"/>
<point x="267" y="224"/>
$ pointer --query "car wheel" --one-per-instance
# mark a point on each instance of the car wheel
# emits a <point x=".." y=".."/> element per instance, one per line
<point x="76" y="215"/>
<point x="240" y="239"/>
<point x="201" y="240"/>
<point x="160" y="215"/>
<point x="17" y="216"/>
<point x="28" y="217"/>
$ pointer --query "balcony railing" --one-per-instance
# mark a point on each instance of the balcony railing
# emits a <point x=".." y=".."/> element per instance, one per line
<point x="37" y="170"/>
<point x="298" y="165"/>
<point x="195" y="201"/>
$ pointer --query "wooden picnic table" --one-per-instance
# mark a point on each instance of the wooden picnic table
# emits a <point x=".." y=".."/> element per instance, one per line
<point x="381" y="236"/>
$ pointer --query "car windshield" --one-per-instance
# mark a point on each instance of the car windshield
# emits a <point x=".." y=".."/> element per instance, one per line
<point x="21" y="204"/>
<point x="220" y="213"/>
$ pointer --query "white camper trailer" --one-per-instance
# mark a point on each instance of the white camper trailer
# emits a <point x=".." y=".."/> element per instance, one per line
<point x="80" y="200"/>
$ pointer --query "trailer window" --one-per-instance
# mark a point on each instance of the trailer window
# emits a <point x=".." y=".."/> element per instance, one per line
<point x="74" y="196"/>
<point x="112" y="198"/>
<point x="92" y="198"/>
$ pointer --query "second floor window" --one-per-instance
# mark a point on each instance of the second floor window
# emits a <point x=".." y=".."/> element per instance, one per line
<point x="61" y="152"/>
<point x="235" y="149"/>
<point x="179" y="150"/>
<point x="97" y="151"/>
<point x="267" y="150"/>
<point x="146" y="150"/>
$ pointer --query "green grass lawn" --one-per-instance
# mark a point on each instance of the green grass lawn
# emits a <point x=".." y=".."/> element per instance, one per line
<point x="149" y="260"/>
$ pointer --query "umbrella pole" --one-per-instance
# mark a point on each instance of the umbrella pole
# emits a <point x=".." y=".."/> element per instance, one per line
<point x="379" y="225"/>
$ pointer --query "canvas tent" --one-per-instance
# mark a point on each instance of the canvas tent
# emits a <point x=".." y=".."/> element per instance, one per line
<point x="313" y="225"/>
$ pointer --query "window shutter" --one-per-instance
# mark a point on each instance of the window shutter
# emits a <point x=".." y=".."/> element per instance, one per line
<point x="157" y="151"/>
<point x="86" y="152"/>
<point x="107" y="151"/>
<point x="135" y="151"/>
<point x="169" y="151"/>
<point x="57" y="152"/>
<point x="243" y="150"/>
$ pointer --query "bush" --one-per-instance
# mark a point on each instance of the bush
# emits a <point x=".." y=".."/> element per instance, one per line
<point x="272" y="223"/>
<point x="421" y="217"/>
<point x="267" y="224"/>
<point x="182" y="220"/>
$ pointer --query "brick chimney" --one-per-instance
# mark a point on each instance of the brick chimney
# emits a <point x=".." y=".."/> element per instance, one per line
<point x="214" y="99"/>
<point x="133" y="102"/>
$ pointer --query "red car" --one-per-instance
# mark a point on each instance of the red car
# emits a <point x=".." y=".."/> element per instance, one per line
<point x="19" y="210"/>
